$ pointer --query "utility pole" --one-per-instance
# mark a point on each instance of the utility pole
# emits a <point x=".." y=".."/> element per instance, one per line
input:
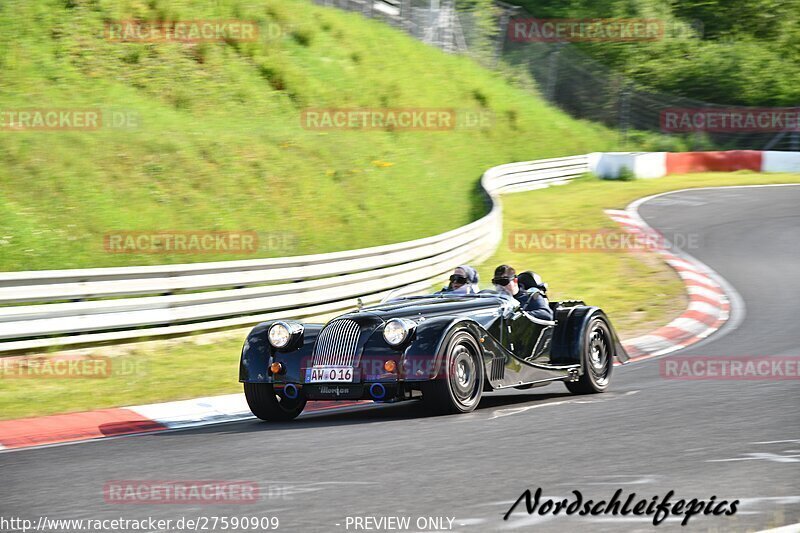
<point x="505" y="16"/>
<point x="552" y="72"/>
<point x="624" y="115"/>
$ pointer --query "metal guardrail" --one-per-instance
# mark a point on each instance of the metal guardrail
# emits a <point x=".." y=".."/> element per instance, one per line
<point x="87" y="306"/>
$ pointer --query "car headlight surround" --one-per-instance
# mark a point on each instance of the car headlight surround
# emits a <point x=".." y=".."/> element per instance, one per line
<point x="397" y="331"/>
<point x="284" y="334"/>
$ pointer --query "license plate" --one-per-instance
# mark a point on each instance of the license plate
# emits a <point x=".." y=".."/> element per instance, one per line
<point x="329" y="374"/>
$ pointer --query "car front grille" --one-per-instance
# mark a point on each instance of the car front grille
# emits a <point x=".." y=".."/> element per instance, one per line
<point x="336" y="344"/>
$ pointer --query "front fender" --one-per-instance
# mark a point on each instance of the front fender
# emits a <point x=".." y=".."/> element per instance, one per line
<point x="423" y="359"/>
<point x="258" y="354"/>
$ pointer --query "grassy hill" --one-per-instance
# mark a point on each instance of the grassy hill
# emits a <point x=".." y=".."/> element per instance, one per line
<point x="217" y="143"/>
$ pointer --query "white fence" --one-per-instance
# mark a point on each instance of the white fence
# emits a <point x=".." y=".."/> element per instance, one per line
<point x="68" y="307"/>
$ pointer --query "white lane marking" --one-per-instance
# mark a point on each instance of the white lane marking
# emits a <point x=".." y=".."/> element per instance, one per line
<point x="637" y="481"/>
<point x="506" y="503"/>
<point x="791" y="528"/>
<point x="470" y="521"/>
<point x="632" y="518"/>
<point x="277" y="489"/>
<point x="527" y="521"/>
<point x="761" y="456"/>
<point x="688" y="268"/>
<point x="500" y="413"/>
<point x="773" y="500"/>
<point x="793" y="441"/>
<point x="681" y="201"/>
<point x="737" y="307"/>
<point x="321" y="482"/>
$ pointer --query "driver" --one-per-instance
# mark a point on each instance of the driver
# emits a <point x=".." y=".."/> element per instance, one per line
<point x="532" y="301"/>
<point x="464" y="280"/>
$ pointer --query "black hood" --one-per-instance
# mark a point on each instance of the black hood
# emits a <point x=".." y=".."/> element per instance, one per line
<point x="428" y="306"/>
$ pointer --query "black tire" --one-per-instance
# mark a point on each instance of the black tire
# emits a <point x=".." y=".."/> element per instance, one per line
<point x="266" y="404"/>
<point x="461" y="388"/>
<point x="597" y="358"/>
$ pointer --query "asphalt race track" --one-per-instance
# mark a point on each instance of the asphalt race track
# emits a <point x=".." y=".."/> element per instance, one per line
<point x="732" y="439"/>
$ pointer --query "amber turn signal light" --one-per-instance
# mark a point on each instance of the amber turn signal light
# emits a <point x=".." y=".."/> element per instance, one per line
<point x="276" y="367"/>
<point x="390" y="366"/>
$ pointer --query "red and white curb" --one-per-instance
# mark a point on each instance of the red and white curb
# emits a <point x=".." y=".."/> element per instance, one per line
<point x="709" y="305"/>
<point x="658" y="164"/>
<point x="73" y="427"/>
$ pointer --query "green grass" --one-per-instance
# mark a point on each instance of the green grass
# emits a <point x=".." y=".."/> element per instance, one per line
<point x="219" y="145"/>
<point x="146" y="375"/>
<point x="637" y="292"/>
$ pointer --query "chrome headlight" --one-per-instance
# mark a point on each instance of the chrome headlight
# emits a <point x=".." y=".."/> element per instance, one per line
<point x="397" y="330"/>
<point x="282" y="334"/>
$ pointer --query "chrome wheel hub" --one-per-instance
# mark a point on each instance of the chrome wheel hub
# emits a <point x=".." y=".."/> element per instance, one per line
<point x="598" y="355"/>
<point x="463" y="376"/>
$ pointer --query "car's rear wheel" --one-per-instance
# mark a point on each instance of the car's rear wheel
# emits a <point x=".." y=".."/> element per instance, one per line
<point x="267" y="404"/>
<point x="597" y="359"/>
<point x="459" y="390"/>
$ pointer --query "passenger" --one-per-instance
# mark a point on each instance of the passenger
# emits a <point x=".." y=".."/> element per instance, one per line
<point x="531" y="280"/>
<point x="463" y="281"/>
<point x="532" y="301"/>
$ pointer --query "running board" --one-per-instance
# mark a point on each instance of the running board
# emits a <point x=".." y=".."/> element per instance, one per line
<point x="573" y="374"/>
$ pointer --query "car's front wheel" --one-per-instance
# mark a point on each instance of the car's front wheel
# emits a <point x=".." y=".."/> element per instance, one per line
<point x="459" y="390"/>
<point x="597" y="359"/>
<point x="267" y="404"/>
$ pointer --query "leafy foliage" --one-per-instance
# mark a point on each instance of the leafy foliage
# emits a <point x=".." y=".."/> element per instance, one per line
<point x="735" y="52"/>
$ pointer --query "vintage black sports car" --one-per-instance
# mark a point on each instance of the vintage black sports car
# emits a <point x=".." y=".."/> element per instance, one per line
<point x="447" y="349"/>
